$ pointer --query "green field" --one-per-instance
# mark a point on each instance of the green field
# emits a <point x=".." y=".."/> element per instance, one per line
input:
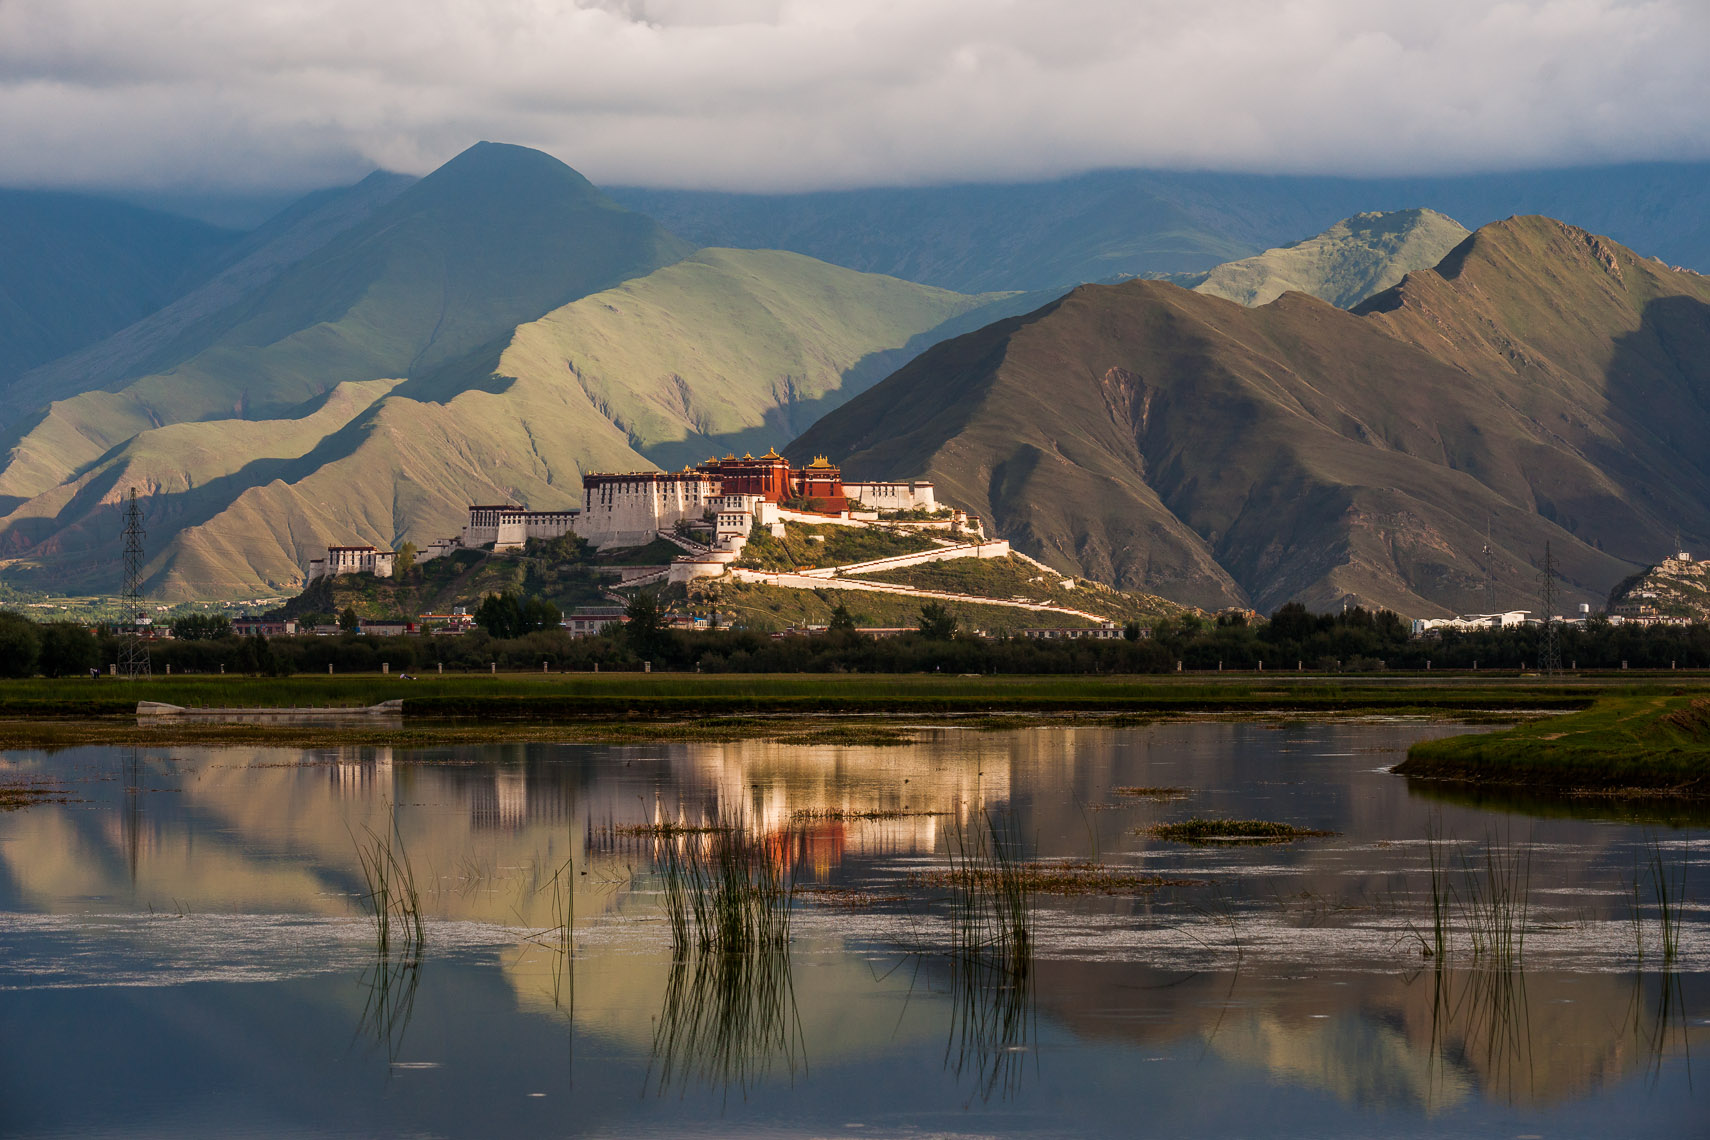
<point x="1654" y="741"/>
<point x="597" y="694"/>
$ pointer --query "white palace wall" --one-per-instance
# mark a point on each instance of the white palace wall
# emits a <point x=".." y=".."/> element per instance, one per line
<point x="899" y="496"/>
<point x="620" y="511"/>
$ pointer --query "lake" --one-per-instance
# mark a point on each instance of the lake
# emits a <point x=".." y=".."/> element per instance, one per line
<point x="186" y="945"/>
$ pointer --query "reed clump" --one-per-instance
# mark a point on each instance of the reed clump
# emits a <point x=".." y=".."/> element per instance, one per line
<point x="1197" y="830"/>
<point x="1668" y="892"/>
<point x="725" y="891"/>
<point x="729" y="1010"/>
<point x="1489" y="900"/>
<point x="393" y="899"/>
<point x="991" y="955"/>
<point x="1151" y="793"/>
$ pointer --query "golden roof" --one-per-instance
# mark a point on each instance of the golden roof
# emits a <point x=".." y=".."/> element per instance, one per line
<point x="819" y="461"/>
<point x="771" y="453"/>
<point x="747" y="455"/>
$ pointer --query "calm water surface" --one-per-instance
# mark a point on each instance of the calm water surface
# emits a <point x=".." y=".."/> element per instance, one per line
<point x="184" y="948"/>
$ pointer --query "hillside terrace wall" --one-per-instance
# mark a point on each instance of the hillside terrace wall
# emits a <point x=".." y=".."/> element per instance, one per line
<point x="997" y="548"/>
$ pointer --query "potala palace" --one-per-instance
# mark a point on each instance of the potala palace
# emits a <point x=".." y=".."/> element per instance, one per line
<point x="708" y="511"/>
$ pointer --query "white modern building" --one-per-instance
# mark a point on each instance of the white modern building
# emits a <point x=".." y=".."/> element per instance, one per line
<point x="1505" y="620"/>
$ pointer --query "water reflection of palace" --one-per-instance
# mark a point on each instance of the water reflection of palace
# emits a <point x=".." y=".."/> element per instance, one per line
<point x="819" y="805"/>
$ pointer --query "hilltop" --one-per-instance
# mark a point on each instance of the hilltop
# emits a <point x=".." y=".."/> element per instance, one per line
<point x="1676" y="588"/>
<point x="1541" y="384"/>
<point x="1347" y="263"/>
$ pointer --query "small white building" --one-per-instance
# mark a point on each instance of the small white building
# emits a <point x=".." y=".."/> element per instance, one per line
<point x="438" y="548"/>
<point x="353" y="560"/>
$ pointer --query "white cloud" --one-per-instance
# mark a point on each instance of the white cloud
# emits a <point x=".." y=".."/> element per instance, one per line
<point x="755" y="94"/>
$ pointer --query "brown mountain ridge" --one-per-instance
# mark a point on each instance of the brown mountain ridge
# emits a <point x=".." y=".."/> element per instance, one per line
<point x="1540" y="385"/>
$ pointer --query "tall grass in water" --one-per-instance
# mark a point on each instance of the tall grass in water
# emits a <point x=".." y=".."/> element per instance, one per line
<point x="729" y="1012"/>
<point x="1496" y="904"/>
<point x="392" y="900"/>
<point x="1668" y="885"/>
<point x="725" y="892"/>
<point x="1491" y="899"/>
<point x="395" y="905"/>
<point x="991" y="955"/>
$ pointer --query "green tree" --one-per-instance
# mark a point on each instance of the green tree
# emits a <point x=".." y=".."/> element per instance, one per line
<point x="511" y="614"/>
<point x="405" y="561"/>
<point x="499" y="615"/>
<point x="1131" y="631"/>
<point x="201" y="627"/>
<point x="20" y="645"/>
<point x="67" y="649"/>
<point x="937" y="623"/>
<point x="348" y="621"/>
<point x="645" y="629"/>
<point x="842" y="621"/>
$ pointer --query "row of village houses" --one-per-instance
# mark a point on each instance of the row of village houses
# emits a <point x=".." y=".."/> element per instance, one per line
<point x="587" y="621"/>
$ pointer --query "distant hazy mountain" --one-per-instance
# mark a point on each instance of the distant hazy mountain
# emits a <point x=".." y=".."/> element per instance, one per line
<point x="1098" y="226"/>
<point x="1542" y="385"/>
<point x="74" y="269"/>
<point x="726" y="350"/>
<point x="174" y="333"/>
<point x="1345" y="264"/>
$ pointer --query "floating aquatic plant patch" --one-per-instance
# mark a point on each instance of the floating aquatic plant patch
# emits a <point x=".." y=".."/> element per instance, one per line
<point x="1198" y="830"/>
<point x="22" y="794"/>
<point x="1151" y="793"/>
<point x="809" y="815"/>
<point x="1065" y="878"/>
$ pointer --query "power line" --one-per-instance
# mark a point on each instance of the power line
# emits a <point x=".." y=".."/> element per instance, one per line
<point x="133" y="654"/>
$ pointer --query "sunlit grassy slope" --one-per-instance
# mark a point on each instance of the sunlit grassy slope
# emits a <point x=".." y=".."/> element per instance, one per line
<point x="727" y="350"/>
<point x="1345" y="264"/>
<point x="731" y="350"/>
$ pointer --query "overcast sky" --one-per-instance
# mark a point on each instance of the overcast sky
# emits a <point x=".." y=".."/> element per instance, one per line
<point x="790" y="94"/>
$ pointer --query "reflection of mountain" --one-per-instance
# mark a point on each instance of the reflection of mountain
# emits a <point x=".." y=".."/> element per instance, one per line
<point x="1386" y="1040"/>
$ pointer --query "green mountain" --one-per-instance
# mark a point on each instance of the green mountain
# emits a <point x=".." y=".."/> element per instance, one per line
<point x="431" y="281"/>
<point x="74" y="269"/>
<point x="1347" y="263"/>
<point x="1541" y="385"/>
<point x="1148" y="223"/>
<point x="723" y="350"/>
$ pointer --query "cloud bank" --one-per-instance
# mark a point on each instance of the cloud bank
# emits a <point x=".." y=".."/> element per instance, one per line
<point x="797" y="94"/>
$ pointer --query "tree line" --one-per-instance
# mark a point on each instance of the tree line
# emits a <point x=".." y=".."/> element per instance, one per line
<point x="526" y="638"/>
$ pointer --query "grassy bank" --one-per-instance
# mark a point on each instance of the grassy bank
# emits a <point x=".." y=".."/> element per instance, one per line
<point x="1640" y="741"/>
<point x="585" y="696"/>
